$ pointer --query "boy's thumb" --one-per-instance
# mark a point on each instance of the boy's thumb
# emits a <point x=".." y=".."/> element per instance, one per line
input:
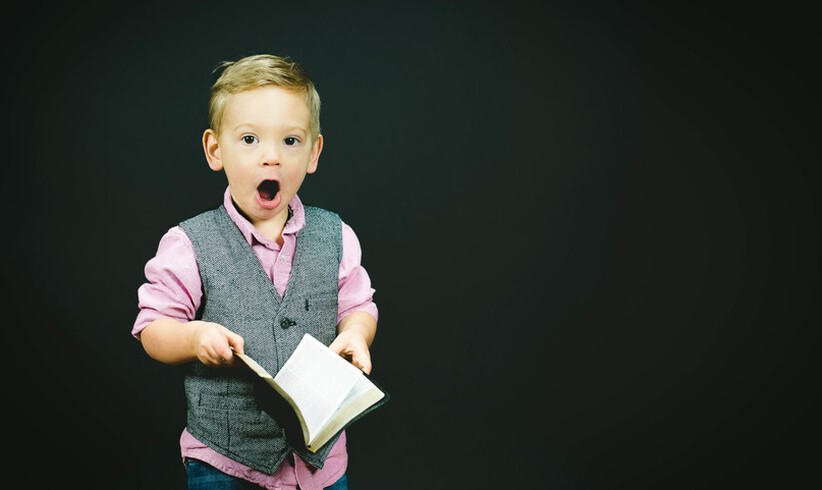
<point x="236" y="342"/>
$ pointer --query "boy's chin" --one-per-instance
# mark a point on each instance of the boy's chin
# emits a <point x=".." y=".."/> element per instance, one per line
<point x="255" y="211"/>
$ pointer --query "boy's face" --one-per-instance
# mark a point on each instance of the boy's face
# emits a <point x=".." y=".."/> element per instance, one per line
<point x="266" y="150"/>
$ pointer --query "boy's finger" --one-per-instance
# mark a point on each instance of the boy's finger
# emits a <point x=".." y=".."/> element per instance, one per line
<point x="225" y="354"/>
<point x="236" y="342"/>
<point x="362" y="361"/>
<point x="336" y="346"/>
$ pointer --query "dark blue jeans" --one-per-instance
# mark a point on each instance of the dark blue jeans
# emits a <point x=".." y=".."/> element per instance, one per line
<point x="202" y="476"/>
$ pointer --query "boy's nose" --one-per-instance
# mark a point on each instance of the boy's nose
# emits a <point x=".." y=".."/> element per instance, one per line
<point x="270" y="156"/>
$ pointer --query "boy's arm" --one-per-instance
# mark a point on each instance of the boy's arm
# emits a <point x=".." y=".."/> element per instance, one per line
<point x="174" y="342"/>
<point x="357" y="313"/>
<point x="168" y="303"/>
<point x="355" y="333"/>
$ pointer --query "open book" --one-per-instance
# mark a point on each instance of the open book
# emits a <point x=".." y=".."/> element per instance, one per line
<point x="326" y="392"/>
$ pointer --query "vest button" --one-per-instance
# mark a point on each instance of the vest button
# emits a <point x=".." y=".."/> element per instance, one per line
<point x="285" y="323"/>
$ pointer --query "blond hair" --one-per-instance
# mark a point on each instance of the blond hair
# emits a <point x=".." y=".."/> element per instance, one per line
<point x="257" y="71"/>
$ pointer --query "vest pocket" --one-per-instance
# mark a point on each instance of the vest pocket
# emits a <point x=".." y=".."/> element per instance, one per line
<point x="237" y="425"/>
<point x="233" y="402"/>
<point x="320" y="315"/>
<point x="254" y="432"/>
<point x="253" y="424"/>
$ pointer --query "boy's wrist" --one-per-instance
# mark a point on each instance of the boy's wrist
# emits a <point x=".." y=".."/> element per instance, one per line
<point x="360" y="323"/>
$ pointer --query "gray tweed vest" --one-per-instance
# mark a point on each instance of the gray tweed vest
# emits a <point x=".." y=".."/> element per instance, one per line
<point x="237" y="293"/>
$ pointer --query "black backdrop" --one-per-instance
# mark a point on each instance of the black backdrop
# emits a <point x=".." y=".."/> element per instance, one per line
<point x="592" y="229"/>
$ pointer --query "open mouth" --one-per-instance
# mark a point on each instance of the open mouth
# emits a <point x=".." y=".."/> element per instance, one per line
<point x="268" y="194"/>
<point x="268" y="190"/>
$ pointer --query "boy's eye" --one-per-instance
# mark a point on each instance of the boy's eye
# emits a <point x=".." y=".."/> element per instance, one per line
<point x="249" y="139"/>
<point x="291" y="141"/>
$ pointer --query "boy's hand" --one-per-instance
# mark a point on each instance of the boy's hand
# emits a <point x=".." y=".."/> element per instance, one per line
<point x="212" y="344"/>
<point x="354" y="335"/>
<point x="353" y="346"/>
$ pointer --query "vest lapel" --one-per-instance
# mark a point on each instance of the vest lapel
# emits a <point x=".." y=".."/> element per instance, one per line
<point x="253" y="263"/>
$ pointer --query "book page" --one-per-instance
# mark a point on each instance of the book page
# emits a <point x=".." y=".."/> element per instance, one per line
<point x="363" y="395"/>
<point x="318" y="380"/>
<point x="361" y="386"/>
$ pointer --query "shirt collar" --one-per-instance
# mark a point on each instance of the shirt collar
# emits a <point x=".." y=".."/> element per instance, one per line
<point x="251" y="234"/>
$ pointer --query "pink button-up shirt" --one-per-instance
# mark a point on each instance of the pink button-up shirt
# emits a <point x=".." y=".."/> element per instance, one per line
<point x="174" y="290"/>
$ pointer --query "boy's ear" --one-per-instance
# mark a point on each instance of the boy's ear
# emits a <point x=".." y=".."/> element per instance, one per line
<point x="315" y="155"/>
<point x="212" y="150"/>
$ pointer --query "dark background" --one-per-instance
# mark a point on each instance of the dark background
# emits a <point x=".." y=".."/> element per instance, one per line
<point x="592" y="227"/>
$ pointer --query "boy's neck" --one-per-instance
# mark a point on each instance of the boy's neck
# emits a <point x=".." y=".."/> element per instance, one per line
<point x="271" y="229"/>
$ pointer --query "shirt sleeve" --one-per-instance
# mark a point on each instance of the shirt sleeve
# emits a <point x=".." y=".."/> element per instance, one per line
<point x="173" y="288"/>
<point x="354" y="291"/>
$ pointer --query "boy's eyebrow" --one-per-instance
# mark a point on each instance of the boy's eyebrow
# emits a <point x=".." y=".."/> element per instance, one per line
<point x="296" y="127"/>
<point x="286" y="127"/>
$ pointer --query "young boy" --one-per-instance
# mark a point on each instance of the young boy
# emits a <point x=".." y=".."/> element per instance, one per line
<point x="253" y="276"/>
